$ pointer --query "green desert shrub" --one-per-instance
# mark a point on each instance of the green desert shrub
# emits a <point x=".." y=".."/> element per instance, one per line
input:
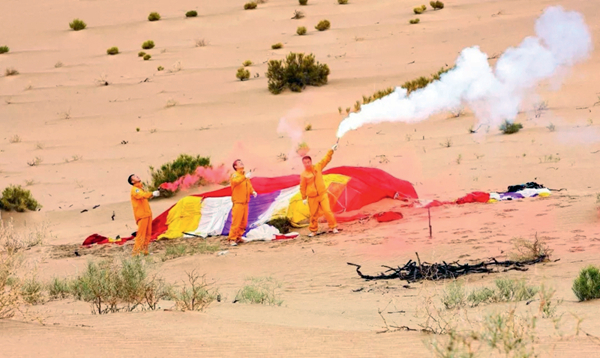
<point x="112" y="51"/>
<point x="510" y="127"/>
<point x="296" y="72"/>
<point x="32" y="291"/>
<point x="277" y="46"/>
<point x="242" y="74"/>
<point x="169" y="172"/>
<point x="4" y="49"/>
<point x="422" y="81"/>
<point x="414" y="21"/>
<point x="14" y="197"/>
<point x="303" y="2"/>
<point x="154" y="16"/>
<point x="147" y="57"/>
<point x="77" y="25"/>
<point x="147" y="45"/>
<point x="454" y="295"/>
<point x="141" y="54"/>
<point x="436" y="5"/>
<point x="250" y="5"/>
<point x="506" y="290"/>
<point x="342" y="2"/>
<point x="323" y="25"/>
<point x="195" y="297"/>
<point x="260" y="291"/>
<point x="420" y="9"/>
<point x="301" y="30"/>
<point x="247" y="63"/>
<point x="192" y="13"/>
<point x="59" y="288"/>
<point x="587" y="285"/>
<point x="160" y="68"/>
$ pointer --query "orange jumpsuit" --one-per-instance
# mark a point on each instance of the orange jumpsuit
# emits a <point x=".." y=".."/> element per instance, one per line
<point x="143" y="218"/>
<point x="241" y="189"/>
<point x="313" y="187"/>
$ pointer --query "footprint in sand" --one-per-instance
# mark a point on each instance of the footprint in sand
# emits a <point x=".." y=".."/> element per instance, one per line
<point x="576" y="249"/>
<point x="576" y="231"/>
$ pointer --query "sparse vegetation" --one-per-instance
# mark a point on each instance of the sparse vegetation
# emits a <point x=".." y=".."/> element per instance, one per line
<point x="436" y="5"/>
<point x="192" y="13"/>
<point x="296" y="72"/>
<point x="283" y="224"/>
<point x="32" y="291"/>
<point x="260" y="291"/>
<point x="527" y="250"/>
<point x="15" y="139"/>
<point x="58" y="64"/>
<point x="420" y="9"/>
<point x="454" y="295"/>
<point x="154" y="16"/>
<point x="447" y="143"/>
<point x="242" y="74"/>
<point x="551" y="127"/>
<point x="11" y="71"/>
<point x="201" y="42"/>
<point x="250" y="5"/>
<point x="247" y="63"/>
<point x="301" y="31"/>
<point x="141" y="54"/>
<point x="303" y="2"/>
<point x="175" y="251"/>
<point x="35" y="162"/>
<point x="160" y="68"/>
<point x="197" y="296"/>
<point x="112" y="51"/>
<point x="506" y="290"/>
<point x="308" y="127"/>
<point x="77" y="25"/>
<point x="510" y="127"/>
<point x="169" y="172"/>
<point x="414" y="21"/>
<point x="298" y="15"/>
<point x="4" y="49"/>
<point x="277" y="46"/>
<point x="12" y="241"/>
<point x="587" y="285"/>
<point x="343" y="2"/>
<point x="59" y="288"/>
<point x="323" y="25"/>
<point x="147" y="57"/>
<point x="422" y="81"/>
<point x="147" y="45"/>
<point x="14" y="197"/>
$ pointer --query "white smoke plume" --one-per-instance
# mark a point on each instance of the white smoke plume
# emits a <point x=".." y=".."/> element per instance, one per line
<point x="494" y="95"/>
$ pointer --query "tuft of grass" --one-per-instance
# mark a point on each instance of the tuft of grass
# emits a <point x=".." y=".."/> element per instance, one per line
<point x="250" y="5"/>
<point x="420" y="9"/>
<point x="173" y="252"/>
<point x="197" y="296"/>
<point x="459" y="159"/>
<point x="10" y="291"/>
<point x="436" y="5"/>
<point x="447" y="143"/>
<point x="298" y="15"/>
<point x="32" y="291"/>
<point x="154" y="16"/>
<point x="15" y="139"/>
<point x="77" y="25"/>
<point x="296" y="72"/>
<point x="192" y="13"/>
<point x="141" y="54"/>
<point x="59" y="288"/>
<point x="147" y="57"/>
<point x="58" y="64"/>
<point x="4" y="49"/>
<point x="147" y="45"/>
<point x="301" y="30"/>
<point x="587" y="285"/>
<point x="551" y="127"/>
<point x="171" y="103"/>
<point x="14" y="197"/>
<point x="171" y="171"/>
<point x="247" y="63"/>
<point x="548" y="306"/>
<point x="11" y="71"/>
<point x="201" y="42"/>
<point x="454" y="295"/>
<point x="308" y="127"/>
<point x="35" y="162"/>
<point x="343" y="2"/>
<point x="112" y="51"/>
<point x="323" y="25"/>
<point x="414" y="21"/>
<point x="526" y="250"/>
<point x="277" y="46"/>
<point x="283" y="224"/>
<point x="260" y="291"/>
<point x="510" y="128"/>
<point x="303" y="2"/>
<point x="506" y="290"/>
<point x="12" y="241"/>
<point x="160" y="68"/>
<point x="242" y="74"/>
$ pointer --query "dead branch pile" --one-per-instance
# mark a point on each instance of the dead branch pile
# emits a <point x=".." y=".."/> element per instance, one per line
<point x="417" y="271"/>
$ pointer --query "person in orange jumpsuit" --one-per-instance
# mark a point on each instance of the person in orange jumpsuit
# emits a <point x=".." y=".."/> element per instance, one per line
<point x="313" y="190"/>
<point x="241" y="189"/>
<point x="142" y="214"/>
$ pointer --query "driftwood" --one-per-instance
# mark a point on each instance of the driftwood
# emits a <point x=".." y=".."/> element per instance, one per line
<point x="417" y="271"/>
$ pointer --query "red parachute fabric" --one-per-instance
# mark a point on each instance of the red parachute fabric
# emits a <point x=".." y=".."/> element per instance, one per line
<point x="367" y="186"/>
<point x="474" y="197"/>
<point x="388" y="216"/>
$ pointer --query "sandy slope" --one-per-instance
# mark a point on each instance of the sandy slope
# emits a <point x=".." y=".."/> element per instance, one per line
<point x="63" y="112"/>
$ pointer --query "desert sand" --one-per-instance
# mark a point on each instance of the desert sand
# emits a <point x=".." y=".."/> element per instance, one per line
<point x="66" y="116"/>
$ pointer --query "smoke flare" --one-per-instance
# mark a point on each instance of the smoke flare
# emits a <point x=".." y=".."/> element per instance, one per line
<point x="494" y="95"/>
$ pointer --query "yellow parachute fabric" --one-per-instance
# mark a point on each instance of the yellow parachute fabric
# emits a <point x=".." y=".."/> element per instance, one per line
<point x="183" y="217"/>
<point x="298" y="213"/>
